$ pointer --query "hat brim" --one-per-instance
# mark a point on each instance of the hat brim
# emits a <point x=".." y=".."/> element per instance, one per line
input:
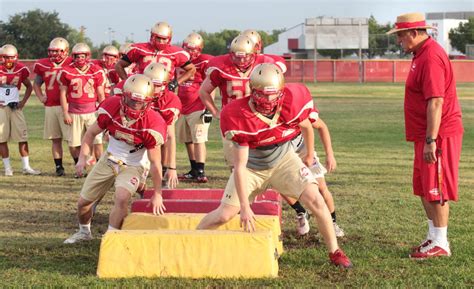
<point x="395" y="30"/>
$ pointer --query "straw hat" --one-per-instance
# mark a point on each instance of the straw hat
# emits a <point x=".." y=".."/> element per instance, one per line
<point x="410" y="21"/>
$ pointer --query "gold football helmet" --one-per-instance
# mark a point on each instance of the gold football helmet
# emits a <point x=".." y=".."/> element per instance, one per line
<point x="78" y="49"/>
<point x="267" y="84"/>
<point x="242" y="52"/>
<point x="161" y="34"/>
<point x="110" y="50"/>
<point x="10" y="55"/>
<point x="124" y="48"/>
<point x="137" y="95"/>
<point x="256" y="38"/>
<point x="193" y="44"/>
<point x="159" y="75"/>
<point x="58" y="49"/>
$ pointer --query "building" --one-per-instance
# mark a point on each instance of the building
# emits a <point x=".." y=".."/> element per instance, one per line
<point x="300" y="40"/>
<point x="444" y="22"/>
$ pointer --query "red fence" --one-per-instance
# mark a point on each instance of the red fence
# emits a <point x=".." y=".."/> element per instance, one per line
<point x="364" y="71"/>
<point x="354" y="70"/>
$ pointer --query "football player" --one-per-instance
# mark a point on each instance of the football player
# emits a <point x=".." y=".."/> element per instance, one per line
<point x="110" y="56"/>
<point x="169" y="106"/>
<point x="262" y="129"/>
<point x="136" y="134"/>
<point x="13" y="123"/>
<point x="47" y="70"/>
<point x="193" y="124"/>
<point x="81" y="88"/>
<point x="158" y="49"/>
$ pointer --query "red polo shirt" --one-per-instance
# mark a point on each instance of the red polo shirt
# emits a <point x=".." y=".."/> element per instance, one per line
<point x="431" y="75"/>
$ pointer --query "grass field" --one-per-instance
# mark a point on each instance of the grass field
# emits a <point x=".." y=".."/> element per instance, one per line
<point x="372" y="189"/>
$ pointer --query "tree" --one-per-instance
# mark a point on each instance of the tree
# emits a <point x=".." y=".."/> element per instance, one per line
<point x="462" y="35"/>
<point x="32" y="31"/>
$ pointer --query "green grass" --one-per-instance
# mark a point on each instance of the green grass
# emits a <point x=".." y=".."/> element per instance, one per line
<point x="372" y="189"/>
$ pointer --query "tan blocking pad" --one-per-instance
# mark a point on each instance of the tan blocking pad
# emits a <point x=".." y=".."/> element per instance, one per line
<point x="189" y="254"/>
<point x="187" y="221"/>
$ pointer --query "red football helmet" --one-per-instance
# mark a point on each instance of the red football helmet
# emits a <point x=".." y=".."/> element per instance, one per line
<point x="78" y="50"/>
<point x="110" y="55"/>
<point x="267" y="84"/>
<point x="161" y="34"/>
<point x="137" y="95"/>
<point x="242" y="52"/>
<point x="58" y="49"/>
<point x="193" y="44"/>
<point x="159" y="75"/>
<point x="256" y="38"/>
<point x="10" y="56"/>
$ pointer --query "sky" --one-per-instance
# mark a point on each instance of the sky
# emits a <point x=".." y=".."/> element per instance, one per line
<point x="118" y="20"/>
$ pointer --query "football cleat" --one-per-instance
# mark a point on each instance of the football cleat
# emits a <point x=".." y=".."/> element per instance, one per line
<point x="302" y="223"/>
<point x="201" y="178"/>
<point x="8" y="172"/>
<point x="339" y="259"/>
<point x="338" y="230"/>
<point x="60" y="171"/>
<point x="430" y="251"/>
<point x="30" y="171"/>
<point x="189" y="176"/>
<point x="79" y="237"/>
<point x="423" y="244"/>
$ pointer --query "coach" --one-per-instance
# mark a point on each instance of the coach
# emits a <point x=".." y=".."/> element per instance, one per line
<point x="433" y="122"/>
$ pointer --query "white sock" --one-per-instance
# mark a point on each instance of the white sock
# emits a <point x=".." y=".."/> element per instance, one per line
<point x="6" y="163"/>
<point x="430" y="235"/>
<point x="85" y="228"/>
<point x="110" y="228"/>
<point x="441" y="236"/>
<point x="26" y="162"/>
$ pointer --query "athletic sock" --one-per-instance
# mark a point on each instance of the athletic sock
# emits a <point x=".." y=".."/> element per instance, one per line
<point x="58" y="162"/>
<point x="333" y="216"/>
<point x="25" y="161"/>
<point x="85" y="228"/>
<point x="110" y="228"/>
<point x="200" y="168"/>
<point x="441" y="236"/>
<point x="6" y="163"/>
<point x="430" y="235"/>
<point x="298" y="208"/>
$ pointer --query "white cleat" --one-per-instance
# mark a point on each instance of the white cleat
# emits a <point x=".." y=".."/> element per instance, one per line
<point x="30" y="171"/>
<point x="79" y="237"/>
<point x="339" y="231"/>
<point x="8" y="172"/>
<point x="302" y="224"/>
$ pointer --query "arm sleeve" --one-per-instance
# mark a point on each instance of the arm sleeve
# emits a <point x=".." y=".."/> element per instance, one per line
<point x="433" y="78"/>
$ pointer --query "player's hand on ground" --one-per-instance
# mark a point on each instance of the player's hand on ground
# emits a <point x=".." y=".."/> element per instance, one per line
<point x="156" y="202"/>
<point x="331" y="163"/>
<point x="67" y="119"/>
<point x="172" y="177"/>
<point x="247" y="219"/>
<point x="308" y="160"/>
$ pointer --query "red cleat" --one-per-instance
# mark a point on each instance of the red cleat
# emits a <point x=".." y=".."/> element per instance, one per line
<point x="338" y="258"/>
<point x="422" y="245"/>
<point x="431" y="251"/>
<point x="202" y="179"/>
<point x="186" y="177"/>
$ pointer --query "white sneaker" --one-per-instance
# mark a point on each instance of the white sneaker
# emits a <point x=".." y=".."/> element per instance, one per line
<point x="8" y="172"/>
<point x="79" y="237"/>
<point x="302" y="224"/>
<point x="339" y="231"/>
<point x="30" y="171"/>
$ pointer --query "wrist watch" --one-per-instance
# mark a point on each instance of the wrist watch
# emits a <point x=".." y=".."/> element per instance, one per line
<point x="430" y="140"/>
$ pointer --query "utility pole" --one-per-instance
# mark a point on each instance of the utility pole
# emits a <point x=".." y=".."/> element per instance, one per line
<point x="82" y="33"/>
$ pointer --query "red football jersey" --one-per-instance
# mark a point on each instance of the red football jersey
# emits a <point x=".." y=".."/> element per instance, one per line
<point x="14" y="76"/>
<point x="168" y="105"/>
<point x="233" y="84"/>
<point x="49" y="71"/>
<point x="243" y="125"/>
<point x="129" y="137"/>
<point x="111" y="76"/>
<point x="143" y="54"/>
<point x="119" y="87"/>
<point x="81" y="85"/>
<point x="189" y="91"/>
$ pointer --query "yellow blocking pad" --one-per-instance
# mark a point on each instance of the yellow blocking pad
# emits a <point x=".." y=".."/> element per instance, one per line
<point x="189" y="221"/>
<point x="190" y="254"/>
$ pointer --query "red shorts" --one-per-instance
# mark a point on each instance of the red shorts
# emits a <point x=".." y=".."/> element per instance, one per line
<point x="425" y="175"/>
